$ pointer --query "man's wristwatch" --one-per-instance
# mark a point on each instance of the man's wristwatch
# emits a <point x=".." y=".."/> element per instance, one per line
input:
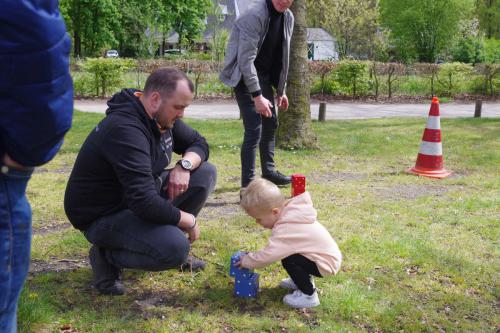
<point x="185" y="164"/>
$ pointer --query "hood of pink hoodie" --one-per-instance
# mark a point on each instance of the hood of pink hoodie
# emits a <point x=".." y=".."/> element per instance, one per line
<point x="298" y="209"/>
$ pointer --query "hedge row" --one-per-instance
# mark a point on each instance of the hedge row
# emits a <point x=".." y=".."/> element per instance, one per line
<point x="100" y="77"/>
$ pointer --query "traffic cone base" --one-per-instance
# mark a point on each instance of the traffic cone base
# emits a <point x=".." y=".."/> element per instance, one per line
<point x="430" y="173"/>
<point x="430" y="158"/>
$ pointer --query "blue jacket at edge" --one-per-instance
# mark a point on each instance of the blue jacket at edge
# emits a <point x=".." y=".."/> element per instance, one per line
<point x="36" y="90"/>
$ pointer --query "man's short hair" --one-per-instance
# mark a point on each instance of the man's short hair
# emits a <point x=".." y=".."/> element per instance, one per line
<point x="164" y="80"/>
<point x="261" y="195"/>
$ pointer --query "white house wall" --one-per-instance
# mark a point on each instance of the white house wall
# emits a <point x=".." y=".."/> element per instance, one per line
<point x="324" y="50"/>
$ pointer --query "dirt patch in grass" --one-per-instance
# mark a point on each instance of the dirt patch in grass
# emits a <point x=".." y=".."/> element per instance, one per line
<point x="221" y="205"/>
<point x="413" y="191"/>
<point x="409" y="191"/>
<point x="49" y="228"/>
<point x="328" y="177"/>
<point x="57" y="265"/>
<point x="57" y="171"/>
<point x="149" y="303"/>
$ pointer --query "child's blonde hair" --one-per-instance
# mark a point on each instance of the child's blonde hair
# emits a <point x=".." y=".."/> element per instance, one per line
<point x="261" y="195"/>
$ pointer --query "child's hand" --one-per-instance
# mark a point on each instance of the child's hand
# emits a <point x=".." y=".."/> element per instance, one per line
<point x="239" y="263"/>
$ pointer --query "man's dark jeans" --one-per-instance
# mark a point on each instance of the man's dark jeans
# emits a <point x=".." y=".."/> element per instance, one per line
<point x="258" y="131"/>
<point x="133" y="243"/>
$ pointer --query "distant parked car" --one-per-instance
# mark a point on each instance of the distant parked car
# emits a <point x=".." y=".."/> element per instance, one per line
<point x="174" y="51"/>
<point x="112" y="54"/>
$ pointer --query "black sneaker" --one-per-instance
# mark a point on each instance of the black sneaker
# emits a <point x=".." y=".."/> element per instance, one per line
<point x="106" y="276"/>
<point x="278" y="178"/>
<point x="192" y="265"/>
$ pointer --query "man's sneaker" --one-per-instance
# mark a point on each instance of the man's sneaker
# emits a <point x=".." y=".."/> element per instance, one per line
<point x="289" y="284"/>
<point x="278" y="178"/>
<point x="106" y="277"/>
<point x="298" y="299"/>
<point x="192" y="265"/>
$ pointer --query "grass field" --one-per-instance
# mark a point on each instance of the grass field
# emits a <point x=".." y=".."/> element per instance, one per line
<point x="420" y="255"/>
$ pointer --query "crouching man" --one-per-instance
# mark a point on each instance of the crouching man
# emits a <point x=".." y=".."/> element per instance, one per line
<point x="136" y="213"/>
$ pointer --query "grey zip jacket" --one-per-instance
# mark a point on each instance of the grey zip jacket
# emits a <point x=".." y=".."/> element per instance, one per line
<point x="247" y="36"/>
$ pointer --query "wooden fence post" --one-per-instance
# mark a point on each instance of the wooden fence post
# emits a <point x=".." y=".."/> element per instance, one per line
<point x="322" y="111"/>
<point x="477" y="111"/>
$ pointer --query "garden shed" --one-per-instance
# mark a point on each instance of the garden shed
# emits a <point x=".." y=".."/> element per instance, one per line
<point x="321" y="45"/>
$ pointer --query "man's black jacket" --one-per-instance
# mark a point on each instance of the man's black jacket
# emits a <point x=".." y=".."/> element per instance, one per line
<point x="119" y="164"/>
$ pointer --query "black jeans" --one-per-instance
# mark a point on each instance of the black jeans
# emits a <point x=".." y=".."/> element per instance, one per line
<point x="300" y="270"/>
<point x="130" y="242"/>
<point x="258" y="131"/>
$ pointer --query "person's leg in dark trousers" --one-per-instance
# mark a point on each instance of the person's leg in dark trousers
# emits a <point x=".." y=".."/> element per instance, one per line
<point x="259" y="131"/>
<point x="201" y="184"/>
<point x="268" y="133"/>
<point x="125" y="241"/>
<point x="300" y="269"/>
<point x="129" y="242"/>
<point x="252" y="124"/>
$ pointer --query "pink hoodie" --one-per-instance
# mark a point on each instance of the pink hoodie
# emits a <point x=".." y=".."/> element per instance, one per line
<point x="298" y="231"/>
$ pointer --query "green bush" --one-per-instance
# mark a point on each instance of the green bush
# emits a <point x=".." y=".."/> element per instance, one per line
<point x="451" y="78"/>
<point x="414" y="85"/>
<point x="107" y="73"/>
<point x="492" y="50"/>
<point x="328" y="85"/>
<point x="488" y="80"/>
<point x="468" y="50"/>
<point x="102" y="77"/>
<point x="84" y="84"/>
<point x="212" y="86"/>
<point x="352" y="77"/>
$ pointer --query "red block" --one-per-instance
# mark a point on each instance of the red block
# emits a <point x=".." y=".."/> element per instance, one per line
<point x="298" y="184"/>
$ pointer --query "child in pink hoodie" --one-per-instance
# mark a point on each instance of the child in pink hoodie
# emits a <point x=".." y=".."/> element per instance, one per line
<point x="302" y="244"/>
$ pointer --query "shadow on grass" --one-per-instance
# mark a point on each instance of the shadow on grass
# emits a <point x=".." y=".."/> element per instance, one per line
<point x="70" y="295"/>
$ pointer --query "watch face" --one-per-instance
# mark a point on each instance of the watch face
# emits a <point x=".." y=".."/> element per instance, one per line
<point x="186" y="164"/>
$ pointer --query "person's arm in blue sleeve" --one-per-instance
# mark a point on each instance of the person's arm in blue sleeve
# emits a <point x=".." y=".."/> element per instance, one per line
<point x="36" y="90"/>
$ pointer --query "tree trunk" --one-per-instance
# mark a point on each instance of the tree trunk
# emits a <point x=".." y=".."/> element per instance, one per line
<point x="295" y="130"/>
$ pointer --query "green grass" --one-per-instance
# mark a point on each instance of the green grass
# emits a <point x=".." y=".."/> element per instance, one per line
<point x="419" y="254"/>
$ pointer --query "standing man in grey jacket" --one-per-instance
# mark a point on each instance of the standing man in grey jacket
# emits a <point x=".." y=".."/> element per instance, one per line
<point x="257" y="60"/>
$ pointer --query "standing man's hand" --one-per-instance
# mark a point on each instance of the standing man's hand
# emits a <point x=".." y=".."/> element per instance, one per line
<point x="283" y="102"/>
<point x="178" y="182"/>
<point x="263" y="106"/>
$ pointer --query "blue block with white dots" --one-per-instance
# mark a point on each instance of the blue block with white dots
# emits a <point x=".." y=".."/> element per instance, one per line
<point x="235" y="270"/>
<point x="246" y="282"/>
<point x="246" y="286"/>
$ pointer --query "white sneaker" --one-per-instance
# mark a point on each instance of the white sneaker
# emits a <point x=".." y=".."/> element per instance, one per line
<point x="298" y="299"/>
<point x="289" y="284"/>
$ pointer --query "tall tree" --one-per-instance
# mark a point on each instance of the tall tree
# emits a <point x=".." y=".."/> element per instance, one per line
<point x="295" y="130"/>
<point x="142" y="24"/>
<point x="423" y="29"/>
<point x="93" y="25"/>
<point x="187" y="17"/>
<point x="488" y="12"/>
<point x="354" y="23"/>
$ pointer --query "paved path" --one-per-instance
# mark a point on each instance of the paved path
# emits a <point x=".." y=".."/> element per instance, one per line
<point x="334" y="110"/>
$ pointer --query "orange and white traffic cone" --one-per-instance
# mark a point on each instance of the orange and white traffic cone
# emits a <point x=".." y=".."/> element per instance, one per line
<point x="430" y="158"/>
